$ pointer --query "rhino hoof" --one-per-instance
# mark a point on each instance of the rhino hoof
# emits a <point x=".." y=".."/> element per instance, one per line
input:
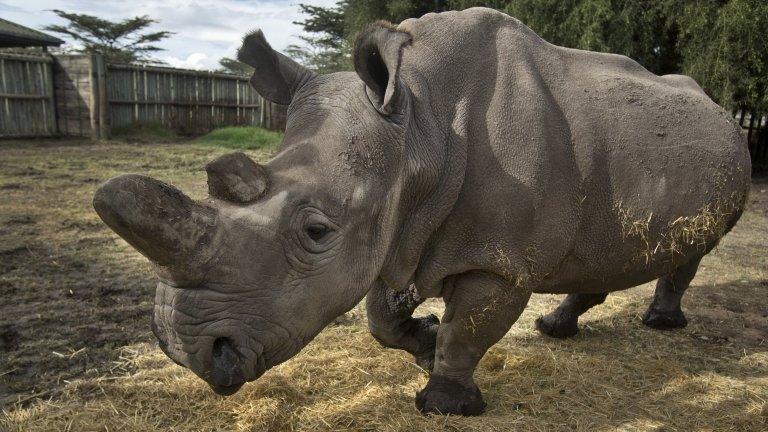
<point x="665" y="320"/>
<point x="557" y="327"/>
<point x="445" y="396"/>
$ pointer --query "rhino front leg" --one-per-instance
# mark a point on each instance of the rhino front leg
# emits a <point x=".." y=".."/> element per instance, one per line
<point x="391" y="323"/>
<point x="563" y="321"/>
<point x="480" y="309"/>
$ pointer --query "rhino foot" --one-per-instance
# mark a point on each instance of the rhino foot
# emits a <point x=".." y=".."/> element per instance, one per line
<point x="446" y="396"/>
<point x="557" y="326"/>
<point x="664" y="320"/>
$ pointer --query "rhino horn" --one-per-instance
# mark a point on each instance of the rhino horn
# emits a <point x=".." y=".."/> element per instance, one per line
<point x="236" y="178"/>
<point x="158" y="220"/>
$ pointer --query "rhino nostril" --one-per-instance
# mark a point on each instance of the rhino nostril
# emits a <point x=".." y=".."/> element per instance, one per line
<point x="226" y="363"/>
<point x="224" y="351"/>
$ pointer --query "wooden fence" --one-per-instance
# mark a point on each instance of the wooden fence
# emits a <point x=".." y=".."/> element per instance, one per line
<point x="26" y="96"/>
<point x="184" y="100"/>
<point x="81" y="95"/>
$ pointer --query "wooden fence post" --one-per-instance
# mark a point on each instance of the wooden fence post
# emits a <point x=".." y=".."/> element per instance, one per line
<point x="101" y="74"/>
<point x="99" y="102"/>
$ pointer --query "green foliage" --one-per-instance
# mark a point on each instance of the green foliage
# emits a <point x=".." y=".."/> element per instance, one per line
<point x="722" y="44"/>
<point x="641" y="30"/>
<point x="726" y="51"/>
<point x="320" y="58"/>
<point x="241" y="137"/>
<point x="144" y="133"/>
<point x="230" y="65"/>
<point x="327" y="50"/>
<point x="123" y="42"/>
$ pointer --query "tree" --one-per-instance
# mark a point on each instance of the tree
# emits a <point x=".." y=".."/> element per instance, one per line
<point x="328" y="50"/>
<point x="124" y="42"/>
<point x="644" y="31"/>
<point x="726" y="50"/>
<point x="230" y="65"/>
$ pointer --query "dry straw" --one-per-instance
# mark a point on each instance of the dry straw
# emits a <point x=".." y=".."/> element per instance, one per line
<point x="616" y="375"/>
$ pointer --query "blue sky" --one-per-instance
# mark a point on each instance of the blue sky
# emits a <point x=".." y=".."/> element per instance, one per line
<point x="205" y="30"/>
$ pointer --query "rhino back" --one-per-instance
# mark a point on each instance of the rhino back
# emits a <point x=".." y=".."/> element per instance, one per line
<point x="578" y="164"/>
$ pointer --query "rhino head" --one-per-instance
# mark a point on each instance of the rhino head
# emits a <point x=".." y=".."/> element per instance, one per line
<point x="249" y="275"/>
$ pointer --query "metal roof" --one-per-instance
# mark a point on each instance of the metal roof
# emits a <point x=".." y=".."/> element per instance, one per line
<point x="15" y="35"/>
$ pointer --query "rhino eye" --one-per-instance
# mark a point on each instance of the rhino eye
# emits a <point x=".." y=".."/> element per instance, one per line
<point x="317" y="231"/>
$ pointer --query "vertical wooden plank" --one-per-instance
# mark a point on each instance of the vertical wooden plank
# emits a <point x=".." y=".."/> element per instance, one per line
<point x="157" y="106"/>
<point x="135" y="96"/>
<point x="3" y="79"/>
<point x="262" y="114"/>
<point x="146" y="98"/>
<point x="197" y="99"/>
<point x="173" y="98"/>
<point x="94" y="111"/>
<point x="212" y="108"/>
<point x="40" y="77"/>
<point x="101" y="75"/>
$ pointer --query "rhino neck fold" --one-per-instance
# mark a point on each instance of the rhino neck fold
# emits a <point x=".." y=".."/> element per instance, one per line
<point x="427" y="191"/>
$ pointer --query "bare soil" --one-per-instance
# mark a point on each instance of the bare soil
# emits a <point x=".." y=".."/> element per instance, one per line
<point x="70" y="290"/>
<point x="76" y="352"/>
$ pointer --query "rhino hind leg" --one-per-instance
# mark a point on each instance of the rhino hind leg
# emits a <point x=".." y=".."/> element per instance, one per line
<point x="563" y="321"/>
<point x="480" y="309"/>
<point x="391" y="323"/>
<point x="665" y="312"/>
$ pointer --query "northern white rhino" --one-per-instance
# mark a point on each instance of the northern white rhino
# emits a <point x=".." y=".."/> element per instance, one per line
<point x="465" y="158"/>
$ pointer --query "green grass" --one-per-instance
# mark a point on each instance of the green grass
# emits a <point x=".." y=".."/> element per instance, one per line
<point x="145" y="133"/>
<point x="241" y="137"/>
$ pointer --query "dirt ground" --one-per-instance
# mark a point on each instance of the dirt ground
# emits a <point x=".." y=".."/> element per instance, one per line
<point x="76" y="352"/>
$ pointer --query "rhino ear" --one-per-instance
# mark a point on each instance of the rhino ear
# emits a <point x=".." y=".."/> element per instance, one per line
<point x="276" y="77"/>
<point x="376" y="56"/>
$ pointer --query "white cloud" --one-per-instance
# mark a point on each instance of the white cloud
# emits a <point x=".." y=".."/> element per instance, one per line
<point x="204" y="30"/>
<point x="193" y="61"/>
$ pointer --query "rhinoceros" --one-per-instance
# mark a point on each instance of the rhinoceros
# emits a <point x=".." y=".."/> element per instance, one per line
<point x="466" y="159"/>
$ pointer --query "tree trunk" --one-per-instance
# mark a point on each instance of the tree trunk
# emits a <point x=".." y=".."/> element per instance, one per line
<point x="749" y="132"/>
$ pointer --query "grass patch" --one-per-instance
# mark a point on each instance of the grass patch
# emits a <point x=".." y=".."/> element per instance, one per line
<point x="145" y="133"/>
<point x="241" y="137"/>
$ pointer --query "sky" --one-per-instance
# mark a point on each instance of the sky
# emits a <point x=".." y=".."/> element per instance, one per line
<point x="205" y="30"/>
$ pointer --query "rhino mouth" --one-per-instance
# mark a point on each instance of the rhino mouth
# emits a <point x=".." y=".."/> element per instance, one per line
<point x="226" y="371"/>
<point x="226" y="376"/>
<point x="226" y="390"/>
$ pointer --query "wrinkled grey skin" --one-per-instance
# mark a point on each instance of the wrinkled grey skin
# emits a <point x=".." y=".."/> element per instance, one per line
<point x="467" y="159"/>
